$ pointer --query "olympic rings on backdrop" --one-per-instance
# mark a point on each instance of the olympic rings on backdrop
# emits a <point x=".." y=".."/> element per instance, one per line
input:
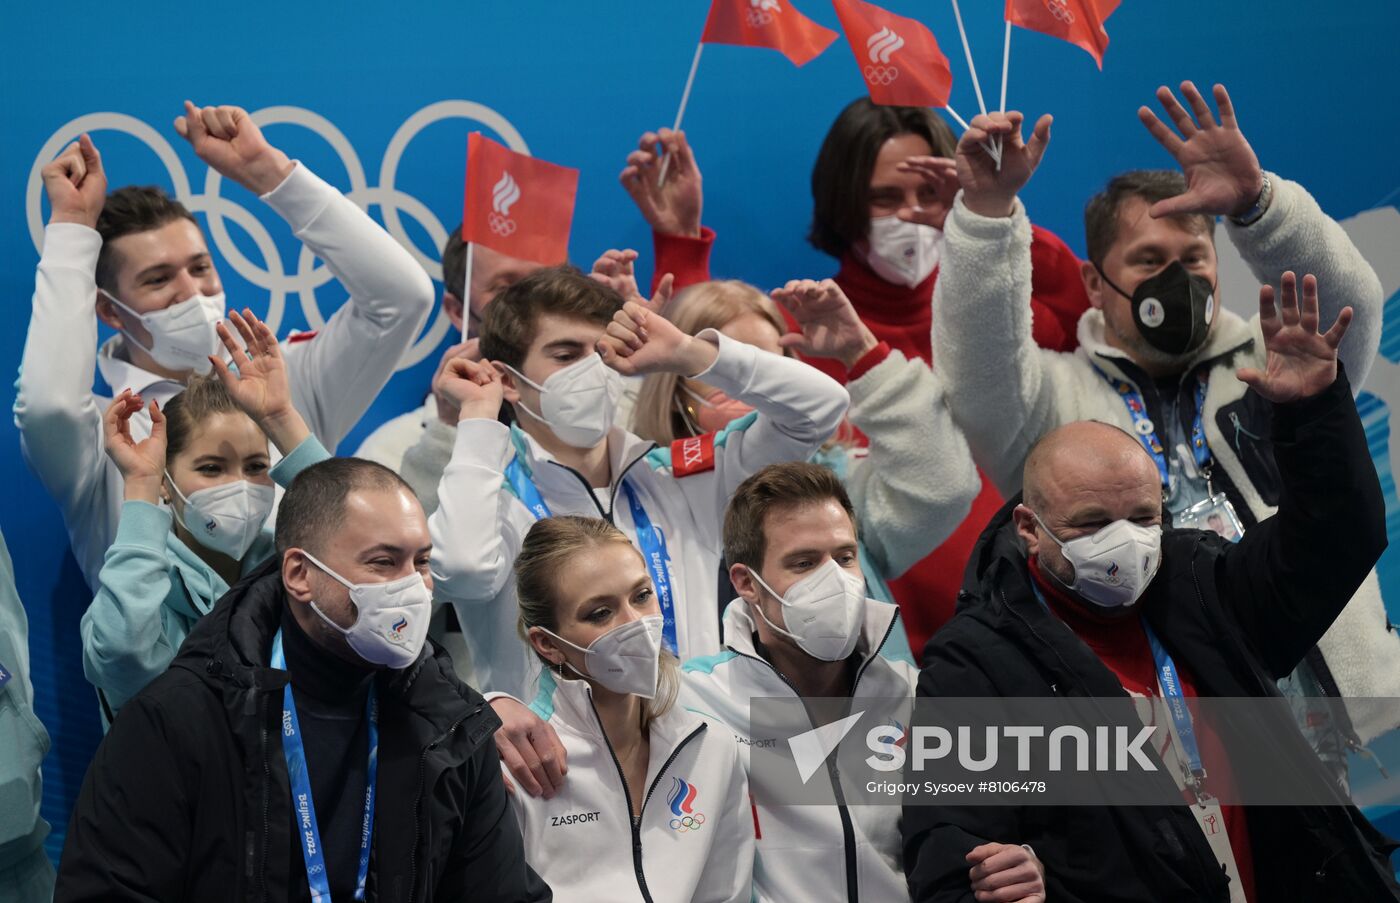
<point x="272" y="274"/>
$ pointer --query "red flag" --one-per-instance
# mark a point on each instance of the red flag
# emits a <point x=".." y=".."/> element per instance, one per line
<point x="898" y="57"/>
<point x="516" y="204"/>
<point x="1078" y="21"/>
<point x="766" y="23"/>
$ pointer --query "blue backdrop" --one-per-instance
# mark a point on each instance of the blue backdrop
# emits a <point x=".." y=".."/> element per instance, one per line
<point x="379" y="98"/>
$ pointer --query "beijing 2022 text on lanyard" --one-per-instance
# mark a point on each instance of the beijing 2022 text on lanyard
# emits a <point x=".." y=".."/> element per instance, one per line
<point x="650" y="537"/>
<point x="304" y="808"/>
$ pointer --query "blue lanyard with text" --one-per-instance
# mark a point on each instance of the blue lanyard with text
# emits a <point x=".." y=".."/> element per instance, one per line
<point x="1147" y="431"/>
<point x="649" y="536"/>
<point x="305" y="807"/>
<point x="653" y="543"/>
<point x="1169" y="679"/>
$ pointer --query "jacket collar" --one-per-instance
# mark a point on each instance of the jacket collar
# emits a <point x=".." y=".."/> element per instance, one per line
<point x="119" y="373"/>
<point x="556" y="479"/>
<point x="875" y="631"/>
<point x="1231" y="333"/>
<point x="573" y="703"/>
<point x="202" y="586"/>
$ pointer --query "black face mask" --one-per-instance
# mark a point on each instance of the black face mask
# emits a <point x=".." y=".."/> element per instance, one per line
<point x="1172" y="309"/>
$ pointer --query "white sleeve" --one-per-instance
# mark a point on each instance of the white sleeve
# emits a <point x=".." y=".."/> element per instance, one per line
<point x="337" y="374"/>
<point x="1003" y="390"/>
<point x="59" y="422"/>
<point x="918" y="481"/>
<point x="426" y="461"/>
<point x="1294" y="234"/>
<point x="479" y="526"/>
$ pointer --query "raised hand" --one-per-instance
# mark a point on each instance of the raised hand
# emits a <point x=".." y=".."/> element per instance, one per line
<point x="1302" y="363"/>
<point x="260" y="388"/>
<point x="1223" y="177"/>
<point x="142" y="464"/>
<point x="76" y="184"/>
<point x="473" y="386"/>
<point x="230" y="142"/>
<point x="617" y="270"/>
<point x="639" y="340"/>
<point x="672" y="207"/>
<point x="830" y="326"/>
<point x="447" y="407"/>
<point x="942" y="174"/>
<point x="990" y="191"/>
<point x="1006" y="873"/>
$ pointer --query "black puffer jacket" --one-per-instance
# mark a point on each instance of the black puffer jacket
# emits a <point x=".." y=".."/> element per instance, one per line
<point x="1236" y="617"/>
<point x="188" y="796"/>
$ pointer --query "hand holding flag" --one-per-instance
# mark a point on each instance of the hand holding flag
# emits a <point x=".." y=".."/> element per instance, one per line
<point x="990" y="187"/>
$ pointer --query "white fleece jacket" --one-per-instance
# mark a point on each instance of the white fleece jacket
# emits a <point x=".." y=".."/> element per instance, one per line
<point x="1006" y="392"/>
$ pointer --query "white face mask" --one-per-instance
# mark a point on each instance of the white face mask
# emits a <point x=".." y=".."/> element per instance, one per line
<point x="1112" y="567"/>
<point x="823" y="611"/>
<point x="626" y="659"/>
<point x="182" y="335"/>
<point x="227" y="517"/>
<point x="391" y="619"/>
<point x="577" y="402"/>
<point x="902" y="252"/>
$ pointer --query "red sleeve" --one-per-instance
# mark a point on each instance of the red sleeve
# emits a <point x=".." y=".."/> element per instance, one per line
<point x="688" y="259"/>
<point x="868" y="361"/>
<point x="1058" y="298"/>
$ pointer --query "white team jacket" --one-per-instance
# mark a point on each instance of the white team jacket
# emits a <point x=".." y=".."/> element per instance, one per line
<point x="802" y="852"/>
<point x="1007" y="393"/>
<point x="479" y="525"/>
<point x="334" y="376"/>
<point x="694" y="838"/>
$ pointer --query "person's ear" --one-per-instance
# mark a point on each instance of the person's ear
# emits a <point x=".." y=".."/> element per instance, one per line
<point x="453" y="305"/>
<point x="1094" y="285"/>
<point x="544" y="645"/>
<point x="296" y="576"/>
<point x="1026" y="525"/>
<point x="743" y="581"/>
<point x="107" y="312"/>
<point x="508" y="387"/>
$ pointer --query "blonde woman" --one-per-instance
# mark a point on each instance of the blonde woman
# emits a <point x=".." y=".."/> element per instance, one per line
<point x="915" y="481"/>
<point x="656" y="807"/>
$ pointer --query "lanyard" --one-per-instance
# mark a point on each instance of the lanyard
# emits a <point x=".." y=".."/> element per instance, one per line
<point x="1146" y="430"/>
<point x="1169" y="680"/>
<point x="650" y="537"/>
<point x="653" y="543"/>
<point x="305" y="816"/>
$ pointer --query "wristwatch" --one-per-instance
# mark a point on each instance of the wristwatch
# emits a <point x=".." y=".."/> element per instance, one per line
<point x="1255" y="213"/>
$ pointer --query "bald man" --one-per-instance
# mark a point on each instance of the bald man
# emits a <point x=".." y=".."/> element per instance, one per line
<point x="1077" y="591"/>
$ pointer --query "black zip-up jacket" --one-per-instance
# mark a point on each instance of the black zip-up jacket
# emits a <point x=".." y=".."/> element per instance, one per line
<point x="1235" y="616"/>
<point x="188" y="796"/>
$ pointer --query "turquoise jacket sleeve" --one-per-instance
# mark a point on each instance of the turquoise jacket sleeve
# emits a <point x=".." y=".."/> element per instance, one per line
<point x="124" y="642"/>
<point x="309" y="452"/>
<point x="22" y="738"/>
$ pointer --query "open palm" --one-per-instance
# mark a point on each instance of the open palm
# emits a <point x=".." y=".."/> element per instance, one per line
<point x="260" y="387"/>
<point x="1223" y="177"/>
<point x="829" y="323"/>
<point x="1302" y="362"/>
<point x="137" y="461"/>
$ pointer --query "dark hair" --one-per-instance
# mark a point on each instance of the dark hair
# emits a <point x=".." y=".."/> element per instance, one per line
<point x="135" y="208"/>
<point x="202" y="397"/>
<point x="1152" y="185"/>
<point x="454" y="266"/>
<point x="841" y="175"/>
<point x="776" y="486"/>
<point x="508" y="326"/>
<point x="315" y="502"/>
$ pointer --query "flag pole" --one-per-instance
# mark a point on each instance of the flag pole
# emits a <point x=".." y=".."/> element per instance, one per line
<point x="467" y="290"/>
<point x="1005" y="67"/>
<point x="976" y="84"/>
<point x="963" y="122"/>
<point x="680" y="113"/>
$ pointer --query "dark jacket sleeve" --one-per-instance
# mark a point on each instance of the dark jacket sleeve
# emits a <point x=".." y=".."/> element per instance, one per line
<point x="128" y="836"/>
<point x="1293" y="573"/>
<point x="937" y="839"/>
<point x="488" y="854"/>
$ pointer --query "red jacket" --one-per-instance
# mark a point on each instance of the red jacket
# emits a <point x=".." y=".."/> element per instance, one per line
<point x="902" y="317"/>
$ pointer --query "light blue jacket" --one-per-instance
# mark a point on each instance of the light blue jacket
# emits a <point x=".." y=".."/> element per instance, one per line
<point x="24" y="870"/>
<point x="152" y="589"/>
